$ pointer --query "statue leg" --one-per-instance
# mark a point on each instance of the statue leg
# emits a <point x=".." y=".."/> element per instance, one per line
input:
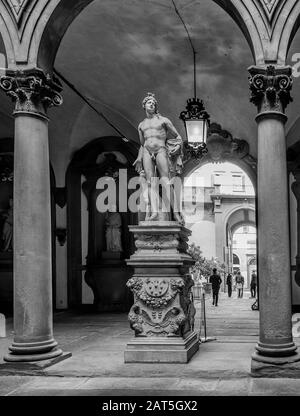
<point x="162" y="162"/>
<point x="149" y="169"/>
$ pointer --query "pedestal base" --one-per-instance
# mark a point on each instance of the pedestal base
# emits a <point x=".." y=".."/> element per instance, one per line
<point x="13" y="367"/>
<point x="161" y="349"/>
<point x="274" y="367"/>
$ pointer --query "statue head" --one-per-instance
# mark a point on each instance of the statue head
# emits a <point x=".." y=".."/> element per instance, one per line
<point x="150" y="97"/>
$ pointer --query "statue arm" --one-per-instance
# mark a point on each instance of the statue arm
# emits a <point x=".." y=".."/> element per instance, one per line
<point x="174" y="141"/>
<point x="139" y="161"/>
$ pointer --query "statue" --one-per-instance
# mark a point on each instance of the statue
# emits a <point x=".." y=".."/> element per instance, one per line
<point x="160" y="154"/>
<point x="7" y="233"/>
<point x="113" y="224"/>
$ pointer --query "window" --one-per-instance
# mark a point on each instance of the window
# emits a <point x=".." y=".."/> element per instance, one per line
<point x="235" y="259"/>
<point x="194" y="194"/>
<point x="217" y="178"/>
<point x="238" y="183"/>
<point x="245" y="229"/>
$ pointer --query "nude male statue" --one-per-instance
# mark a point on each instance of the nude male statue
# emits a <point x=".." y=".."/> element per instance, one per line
<point x="160" y="153"/>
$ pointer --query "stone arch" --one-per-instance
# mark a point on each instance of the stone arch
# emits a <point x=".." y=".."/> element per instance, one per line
<point x="222" y="147"/>
<point x="32" y="30"/>
<point x="86" y="162"/>
<point x="252" y="261"/>
<point x="233" y="221"/>
<point x="8" y="33"/>
<point x="65" y="11"/>
<point x="37" y="28"/>
<point x="237" y="224"/>
<point x="244" y="14"/>
<point x="289" y="30"/>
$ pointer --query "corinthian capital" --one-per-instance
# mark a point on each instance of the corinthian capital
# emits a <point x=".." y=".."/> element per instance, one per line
<point x="32" y="90"/>
<point x="270" y="87"/>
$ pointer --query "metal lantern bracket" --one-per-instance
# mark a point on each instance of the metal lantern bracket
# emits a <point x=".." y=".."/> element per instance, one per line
<point x="195" y="110"/>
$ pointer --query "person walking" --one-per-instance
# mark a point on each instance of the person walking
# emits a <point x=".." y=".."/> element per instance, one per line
<point x="229" y="284"/>
<point x="253" y="284"/>
<point x="215" y="281"/>
<point x="239" y="280"/>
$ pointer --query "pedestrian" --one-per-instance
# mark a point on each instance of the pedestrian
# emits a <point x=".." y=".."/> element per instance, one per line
<point x="215" y="281"/>
<point x="239" y="281"/>
<point x="253" y="284"/>
<point x="229" y="284"/>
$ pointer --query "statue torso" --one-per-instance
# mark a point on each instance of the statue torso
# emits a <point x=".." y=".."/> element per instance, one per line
<point x="154" y="133"/>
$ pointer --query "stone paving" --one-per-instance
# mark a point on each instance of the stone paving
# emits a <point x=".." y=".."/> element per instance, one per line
<point x="97" y="368"/>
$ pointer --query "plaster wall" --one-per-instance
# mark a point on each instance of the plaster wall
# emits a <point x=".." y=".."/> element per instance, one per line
<point x="61" y="262"/>
<point x="293" y="238"/>
<point x="87" y="294"/>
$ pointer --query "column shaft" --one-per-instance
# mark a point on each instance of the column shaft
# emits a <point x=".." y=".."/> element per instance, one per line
<point x="32" y="241"/>
<point x="273" y="238"/>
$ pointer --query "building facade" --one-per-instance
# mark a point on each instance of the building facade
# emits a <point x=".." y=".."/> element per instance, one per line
<point x="220" y="211"/>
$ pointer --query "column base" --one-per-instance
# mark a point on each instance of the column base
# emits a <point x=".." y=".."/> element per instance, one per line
<point x="161" y="349"/>
<point x="276" y="350"/>
<point x="33" y="351"/>
<point x="31" y="367"/>
<point x="273" y="367"/>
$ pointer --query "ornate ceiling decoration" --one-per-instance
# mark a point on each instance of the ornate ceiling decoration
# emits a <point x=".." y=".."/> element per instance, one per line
<point x="222" y="147"/>
<point x="269" y="4"/>
<point x="17" y="8"/>
<point x="270" y="9"/>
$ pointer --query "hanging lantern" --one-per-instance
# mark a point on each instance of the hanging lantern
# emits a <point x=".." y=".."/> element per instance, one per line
<point x="196" y="122"/>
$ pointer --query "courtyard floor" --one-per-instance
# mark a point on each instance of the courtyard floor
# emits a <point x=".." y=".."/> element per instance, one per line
<point x="97" y="368"/>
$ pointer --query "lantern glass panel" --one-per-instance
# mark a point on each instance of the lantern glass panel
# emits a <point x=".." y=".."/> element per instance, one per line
<point x="196" y="131"/>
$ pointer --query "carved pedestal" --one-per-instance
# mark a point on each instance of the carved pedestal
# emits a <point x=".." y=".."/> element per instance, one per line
<point x="162" y="315"/>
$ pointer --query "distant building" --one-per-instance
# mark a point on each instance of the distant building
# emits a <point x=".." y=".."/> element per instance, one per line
<point x="219" y="203"/>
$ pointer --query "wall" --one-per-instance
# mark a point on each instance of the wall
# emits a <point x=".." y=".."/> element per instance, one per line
<point x="293" y="238"/>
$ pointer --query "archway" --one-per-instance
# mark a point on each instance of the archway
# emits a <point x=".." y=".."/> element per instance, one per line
<point x="219" y="200"/>
<point x="228" y="172"/>
<point x="96" y="276"/>
<point x="235" y="262"/>
<point x="244" y="247"/>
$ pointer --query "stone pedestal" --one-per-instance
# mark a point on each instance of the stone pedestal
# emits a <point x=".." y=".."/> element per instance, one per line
<point x="162" y="315"/>
<point x="108" y="282"/>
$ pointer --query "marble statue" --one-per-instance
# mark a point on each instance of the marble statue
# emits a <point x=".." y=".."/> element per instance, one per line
<point x="7" y="234"/>
<point x="160" y="153"/>
<point x="113" y="223"/>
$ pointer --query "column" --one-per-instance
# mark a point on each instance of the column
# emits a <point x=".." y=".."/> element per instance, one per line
<point x="270" y="89"/>
<point x="219" y="227"/>
<point x="32" y="93"/>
